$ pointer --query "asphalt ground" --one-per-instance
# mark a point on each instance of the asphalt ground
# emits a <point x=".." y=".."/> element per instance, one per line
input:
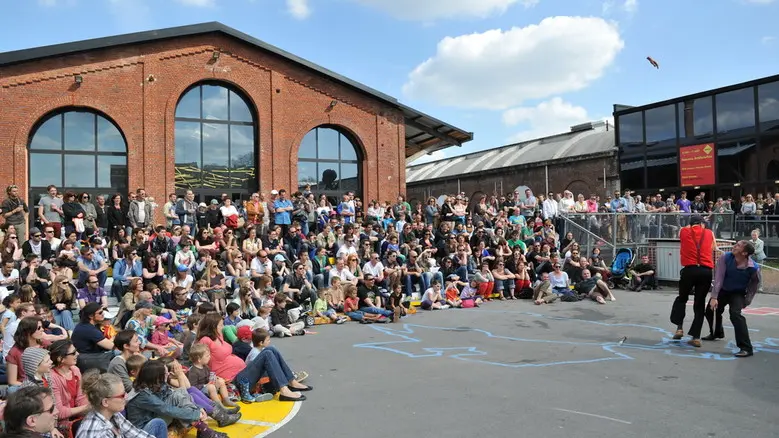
<point x="512" y="368"/>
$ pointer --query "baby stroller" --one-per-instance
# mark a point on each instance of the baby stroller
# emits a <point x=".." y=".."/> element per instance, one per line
<point x="619" y="268"/>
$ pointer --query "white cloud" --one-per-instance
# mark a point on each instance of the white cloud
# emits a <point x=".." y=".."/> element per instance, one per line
<point x="550" y="117"/>
<point x="298" y="9"/>
<point x="498" y="69"/>
<point x="767" y="40"/>
<point x="759" y="2"/>
<point x="197" y="3"/>
<point x="437" y="9"/>
<point x="629" y="7"/>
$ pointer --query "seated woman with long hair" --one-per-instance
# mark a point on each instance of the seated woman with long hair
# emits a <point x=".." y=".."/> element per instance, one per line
<point x="156" y="399"/>
<point x="62" y="294"/>
<point x="108" y="400"/>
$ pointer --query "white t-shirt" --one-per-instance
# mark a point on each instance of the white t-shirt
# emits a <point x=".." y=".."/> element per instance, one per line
<point x="142" y="212"/>
<point x="344" y="274"/>
<point x="260" y="267"/>
<point x="4" y="292"/>
<point x="376" y="270"/>
<point x="228" y="211"/>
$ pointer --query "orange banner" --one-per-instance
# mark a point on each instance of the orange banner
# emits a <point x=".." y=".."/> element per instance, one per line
<point x="696" y="165"/>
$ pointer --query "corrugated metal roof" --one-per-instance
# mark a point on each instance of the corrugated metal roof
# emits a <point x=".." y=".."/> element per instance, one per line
<point x="557" y="147"/>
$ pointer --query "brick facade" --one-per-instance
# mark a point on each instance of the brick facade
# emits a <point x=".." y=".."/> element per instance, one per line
<point x="579" y="175"/>
<point x="138" y="87"/>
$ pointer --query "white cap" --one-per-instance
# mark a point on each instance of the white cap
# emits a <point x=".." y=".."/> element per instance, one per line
<point x="202" y="204"/>
<point x="274" y="192"/>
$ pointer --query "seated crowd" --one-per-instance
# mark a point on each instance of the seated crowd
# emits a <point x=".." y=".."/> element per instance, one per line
<point x="203" y="294"/>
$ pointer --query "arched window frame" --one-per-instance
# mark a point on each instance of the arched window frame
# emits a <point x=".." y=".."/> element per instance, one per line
<point x="250" y="183"/>
<point x="62" y="182"/>
<point x="317" y="161"/>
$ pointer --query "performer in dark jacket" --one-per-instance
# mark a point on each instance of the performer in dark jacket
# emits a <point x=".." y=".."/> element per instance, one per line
<point x="735" y="285"/>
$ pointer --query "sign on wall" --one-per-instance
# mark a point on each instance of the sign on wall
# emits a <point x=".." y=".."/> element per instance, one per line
<point x="696" y="165"/>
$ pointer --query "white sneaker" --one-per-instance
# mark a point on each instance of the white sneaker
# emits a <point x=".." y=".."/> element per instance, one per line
<point x="445" y="306"/>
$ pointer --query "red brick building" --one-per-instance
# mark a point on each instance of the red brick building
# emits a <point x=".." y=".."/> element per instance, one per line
<point x="201" y="107"/>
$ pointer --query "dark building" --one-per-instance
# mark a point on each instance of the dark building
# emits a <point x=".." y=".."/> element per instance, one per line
<point x="724" y="142"/>
<point x="577" y="161"/>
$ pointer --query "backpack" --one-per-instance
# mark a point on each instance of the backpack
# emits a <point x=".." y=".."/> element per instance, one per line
<point x="231" y="221"/>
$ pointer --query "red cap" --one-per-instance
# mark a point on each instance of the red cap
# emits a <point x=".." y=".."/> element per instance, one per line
<point x="244" y="332"/>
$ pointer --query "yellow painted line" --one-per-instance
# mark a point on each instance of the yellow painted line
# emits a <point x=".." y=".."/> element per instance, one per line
<point x="258" y="420"/>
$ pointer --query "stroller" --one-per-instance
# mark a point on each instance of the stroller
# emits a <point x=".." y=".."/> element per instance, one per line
<point x="619" y="268"/>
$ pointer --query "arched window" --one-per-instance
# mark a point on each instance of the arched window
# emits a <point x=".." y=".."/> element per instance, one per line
<point x="329" y="161"/>
<point x="215" y="142"/>
<point x="77" y="150"/>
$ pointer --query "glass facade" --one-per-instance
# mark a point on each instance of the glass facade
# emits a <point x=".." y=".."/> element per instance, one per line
<point x="329" y="161"/>
<point x="77" y="150"/>
<point x="741" y="123"/>
<point x="215" y="141"/>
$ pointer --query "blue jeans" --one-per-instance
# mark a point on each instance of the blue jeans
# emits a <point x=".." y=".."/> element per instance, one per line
<point x="321" y="279"/>
<point x="356" y="315"/>
<point x="428" y="277"/>
<point x="157" y="428"/>
<point x="502" y="285"/>
<point x="269" y="362"/>
<point x="562" y="291"/>
<point x="377" y="311"/>
<point x="412" y="280"/>
<point x="461" y="272"/>
<point x="64" y="319"/>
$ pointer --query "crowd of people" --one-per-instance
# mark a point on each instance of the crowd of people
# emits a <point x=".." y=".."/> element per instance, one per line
<point x="203" y="293"/>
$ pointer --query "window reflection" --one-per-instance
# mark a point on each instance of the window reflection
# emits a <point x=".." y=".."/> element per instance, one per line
<point x="48" y="135"/>
<point x="736" y="111"/>
<point x="737" y="161"/>
<point x="661" y="125"/>
<point x="768" y="106"/>
<point x="631" y="130"/>
<point x="45" y="169"/>
<point x="218" y="149"/>
<point x="328" y="160"/>
<point x="79" y="131"/>
<point x="80" y="171"/>
<point x="109" y="139"/>
<point x="111" y="170"/>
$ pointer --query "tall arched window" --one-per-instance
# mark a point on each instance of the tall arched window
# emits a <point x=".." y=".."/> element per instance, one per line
<point x="330" y="162"/>
<point x="77" y="150"/>
<point x="215" y="142"/>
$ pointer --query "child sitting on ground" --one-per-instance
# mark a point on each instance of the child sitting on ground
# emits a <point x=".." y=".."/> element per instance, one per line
<point x="134" y="364"/>
<point x="321" y="309"/>
<point x="233" y="314"/>
<point x="352" y="309"/>
<point x="452" y="295"/>
<point x="187" y="337"/>
<point x="470" y="295"/>
<point x="201" y="377"/>
<point x="336" y="299"/>
<point x="160" y="337"/>
<point x="260" y="340"/>
<point x="284" y="317"/>
<point x="432" y="299"/>
<point x="395" y="302"/>
<point x="242" y="345"/>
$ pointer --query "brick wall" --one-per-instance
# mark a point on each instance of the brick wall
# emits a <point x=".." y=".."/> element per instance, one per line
<point x="290" y="100"/>
<point x="578" y="175"/>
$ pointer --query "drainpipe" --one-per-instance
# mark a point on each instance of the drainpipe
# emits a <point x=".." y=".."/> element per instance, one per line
<point x="546" y="176"/>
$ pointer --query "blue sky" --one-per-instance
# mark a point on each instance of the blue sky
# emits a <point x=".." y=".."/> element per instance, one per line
<point x="505" y="69"/>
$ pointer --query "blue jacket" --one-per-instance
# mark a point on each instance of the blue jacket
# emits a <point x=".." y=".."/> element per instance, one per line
<point x="146" y="406"/>
<point x="122" y="270"/>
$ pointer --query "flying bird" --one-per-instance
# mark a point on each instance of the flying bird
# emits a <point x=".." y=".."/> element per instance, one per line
<point x="653" y="62"/>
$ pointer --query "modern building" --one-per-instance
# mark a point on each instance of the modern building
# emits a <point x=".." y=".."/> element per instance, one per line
<point x="582" y="161"/>
<point x="724" y="142"/>
<point x="202" y="107"/>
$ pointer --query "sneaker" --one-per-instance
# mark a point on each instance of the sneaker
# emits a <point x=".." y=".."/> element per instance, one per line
<point x="383" y="320"/>
<point x="265" y="396"/>
<point x="340" y="320"/>
<point x="445" y="306"/>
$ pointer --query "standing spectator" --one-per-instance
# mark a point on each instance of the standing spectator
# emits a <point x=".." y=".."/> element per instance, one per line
<point x="169" y="210"/>
<point x="50" y="210"/>
<point x="140" y="214"/>
<point x="117" y="219"/>
<point x="15" y="210"/>
<point x="283" y="211"/>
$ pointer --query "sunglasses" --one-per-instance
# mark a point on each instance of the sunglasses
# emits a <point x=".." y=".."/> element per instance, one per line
<point x="47" y="411"/>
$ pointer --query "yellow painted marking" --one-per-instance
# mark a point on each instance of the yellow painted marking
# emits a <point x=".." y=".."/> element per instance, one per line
<point x="258" y="419"/>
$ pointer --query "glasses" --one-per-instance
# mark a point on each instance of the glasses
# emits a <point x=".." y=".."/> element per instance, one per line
<point x="72" y="353"/>
<point x="40" y="327"/>
<point x="37" y="235"/>
<point x="121" y="396"/>
<point x="12" y="237"/>
<point x="49" y="231"/>
<point x="47" y="411"/>
<point x="64" y="283"/>
<point x="93" y="282"/>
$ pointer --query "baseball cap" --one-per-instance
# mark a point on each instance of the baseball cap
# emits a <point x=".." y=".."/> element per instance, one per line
<point x="696" y="219"/>
<point x="244" y="332"/>
<point x="160" y="321"/>
<point x="278" y="258"/>
<point x="182" y="268"/>
<point x="202" y="204"/>
<point x="214" y="202"/>
<point x="274" y="192"/>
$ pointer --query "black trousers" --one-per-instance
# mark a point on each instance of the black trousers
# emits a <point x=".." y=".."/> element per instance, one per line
<point x="736" y="303"/>
<point x="697" y="280"/>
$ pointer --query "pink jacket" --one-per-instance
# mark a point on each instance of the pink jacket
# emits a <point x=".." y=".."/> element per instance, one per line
<point x="62" y="397"/>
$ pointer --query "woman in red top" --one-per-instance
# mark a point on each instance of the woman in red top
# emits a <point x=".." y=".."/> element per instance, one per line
<point x="223" y="362"/>
<point x="66" y="384"/>
<point x="28" y="334"/>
